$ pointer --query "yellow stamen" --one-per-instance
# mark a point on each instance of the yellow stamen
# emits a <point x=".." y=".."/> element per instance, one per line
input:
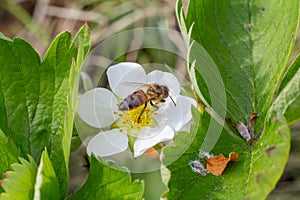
<point x="129" y="119"/>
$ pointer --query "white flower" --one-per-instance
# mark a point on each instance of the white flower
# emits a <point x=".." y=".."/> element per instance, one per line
<point x="99" y="108"/>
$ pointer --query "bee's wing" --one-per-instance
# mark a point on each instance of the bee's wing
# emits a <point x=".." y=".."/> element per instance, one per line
<point x="135" y="85"/>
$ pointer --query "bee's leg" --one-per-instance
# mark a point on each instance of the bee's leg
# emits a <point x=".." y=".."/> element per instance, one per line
<point x="139" y="118"/>
<point x="155" y="106"/>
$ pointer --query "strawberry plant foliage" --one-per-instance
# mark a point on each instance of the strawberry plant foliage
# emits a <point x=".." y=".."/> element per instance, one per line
<point x="288" y="99"/>
<point x="29" y="181"/>
<point x="250" y="43"/>
<point x="25" y="171"/>
<point x="107" y="181"/>
<point x="254" y="175"/>
<point x="9" y="153"/>
<point x="245" y="41"/>
<point x="36" y="100"/>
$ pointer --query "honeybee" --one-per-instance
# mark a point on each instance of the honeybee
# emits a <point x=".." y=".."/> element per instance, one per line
<point x="150" y="93"/>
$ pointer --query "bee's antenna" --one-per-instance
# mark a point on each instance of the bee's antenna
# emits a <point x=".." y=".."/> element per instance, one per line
<point x="172" y="100"/>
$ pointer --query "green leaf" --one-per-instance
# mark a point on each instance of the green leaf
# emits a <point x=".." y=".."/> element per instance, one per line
<point x="20" y="182"/>
<point x="76" y="142"/>
<point x="288" y="100"/>
<point x="81" y="41"/>
<point x="80" y="45"/>
<point x="29" y="181"/>
<point x="49" y="122"/>
<point x="19" y="91"/>
<point x="250" y="43"/>
<point x="107" y="181"/>
<point x="46" y="186"/>
<point x="79" y="48"/>
<point x="289" y="74"/>
<point x="245" y="43"/>
<point x="252" y="177"/>
<point x="9" y="153"/>
<point x="37" y="98"/>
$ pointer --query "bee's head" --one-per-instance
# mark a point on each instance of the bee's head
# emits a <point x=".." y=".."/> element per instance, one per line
<point x="159" y="90"/>
<point x="165" y="91"/>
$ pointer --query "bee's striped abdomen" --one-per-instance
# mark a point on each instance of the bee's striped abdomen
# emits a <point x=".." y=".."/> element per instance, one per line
<point x="133" y="101"/>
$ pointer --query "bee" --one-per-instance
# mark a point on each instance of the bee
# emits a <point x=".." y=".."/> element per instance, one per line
<point x="150" y="93"/>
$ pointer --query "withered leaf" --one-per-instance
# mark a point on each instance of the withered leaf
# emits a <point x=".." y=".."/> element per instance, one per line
<point x="217" y="164"/>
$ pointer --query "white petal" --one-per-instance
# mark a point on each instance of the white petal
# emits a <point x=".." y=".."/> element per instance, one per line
<point x="165" y="78"/>
<point x="149" y="137"/>
<point x="187" y="126"/>
<point x="96" y="107"/>
<point x="179" y="115"/>
<point x="108" y="143"/>
<point x="123" y="73"/>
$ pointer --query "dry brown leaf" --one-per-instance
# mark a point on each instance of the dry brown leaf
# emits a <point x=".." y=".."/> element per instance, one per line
<point x="253" y="116"/>
<point x="217" y="164"/>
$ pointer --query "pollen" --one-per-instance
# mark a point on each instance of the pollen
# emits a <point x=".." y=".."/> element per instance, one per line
<point x="145" y="116"/>
<point x="136" y="118"/>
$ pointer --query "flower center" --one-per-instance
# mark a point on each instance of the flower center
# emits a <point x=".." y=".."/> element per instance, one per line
<point x="136" y="118"/>
<point x="140" y="116"/>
